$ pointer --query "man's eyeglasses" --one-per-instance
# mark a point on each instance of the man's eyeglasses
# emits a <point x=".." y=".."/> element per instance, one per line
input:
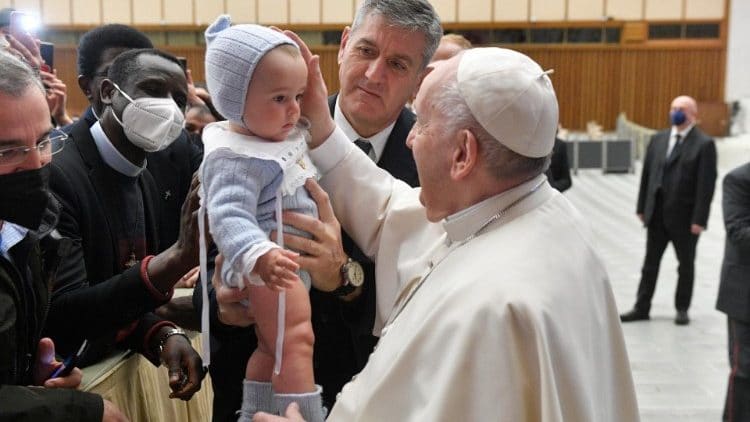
<point x="52" y="144"/>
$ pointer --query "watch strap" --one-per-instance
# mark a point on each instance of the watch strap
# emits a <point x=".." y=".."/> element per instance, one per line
<point x="344" y="290"/>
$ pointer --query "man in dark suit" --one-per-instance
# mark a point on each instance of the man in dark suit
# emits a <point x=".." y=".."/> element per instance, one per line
<point x="382" y="59"/>
<point x="677" y="184"/>
<point x="118" y="270"/>
<point x="558" y="173"/>
<point x="734" y="290"/>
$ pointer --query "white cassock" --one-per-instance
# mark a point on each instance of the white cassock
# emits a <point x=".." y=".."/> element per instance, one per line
<point x="508" y="321"/>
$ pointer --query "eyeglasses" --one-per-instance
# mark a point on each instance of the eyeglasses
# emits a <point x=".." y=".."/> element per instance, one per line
<point x="50" y="145"/>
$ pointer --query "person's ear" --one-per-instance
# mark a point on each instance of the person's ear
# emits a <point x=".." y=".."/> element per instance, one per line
<point x="344" y="39"/>
<point x="106" y="92"/>
<point x="465" y="155"/>
<point x="83" y="83"/>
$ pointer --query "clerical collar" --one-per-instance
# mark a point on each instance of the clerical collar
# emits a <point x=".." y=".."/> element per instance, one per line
<point x="111" y="155"/>
<point x="377" y="141"/>
<point x="468" y="222"/>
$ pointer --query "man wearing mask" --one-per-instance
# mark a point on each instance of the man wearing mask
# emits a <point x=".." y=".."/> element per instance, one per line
<point x="172" y="167"/>
<point x="29" y="252"/>
<point x="677" y="184"/>
<point x="118" y="272"/>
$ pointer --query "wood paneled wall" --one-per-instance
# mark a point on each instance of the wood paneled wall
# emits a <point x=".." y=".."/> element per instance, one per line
<point x="62" y="13"/>
<point x="597" y="83"/>
<point x="592" y="82"/>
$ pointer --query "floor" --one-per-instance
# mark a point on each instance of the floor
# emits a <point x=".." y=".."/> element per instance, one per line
<point x="680" y="372"/>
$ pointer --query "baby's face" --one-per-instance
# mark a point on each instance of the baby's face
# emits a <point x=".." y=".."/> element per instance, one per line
<point x="272" y="105"/>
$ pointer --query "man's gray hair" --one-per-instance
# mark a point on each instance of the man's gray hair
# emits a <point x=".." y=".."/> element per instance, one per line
<point x="502" y="162"/>
<point x="412" y="15"/>
<point x="17" y="76"/>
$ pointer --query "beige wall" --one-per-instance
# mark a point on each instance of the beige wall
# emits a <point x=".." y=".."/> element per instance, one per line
<point x="202" y="12"/>
<point x="624" y="9"/>
<point x="511" y="11"/>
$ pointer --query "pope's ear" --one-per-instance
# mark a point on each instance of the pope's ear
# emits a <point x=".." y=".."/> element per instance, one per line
<point x="465" y="155"/>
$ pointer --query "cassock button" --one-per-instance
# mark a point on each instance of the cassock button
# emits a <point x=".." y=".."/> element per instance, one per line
<point x="338" y="396"/>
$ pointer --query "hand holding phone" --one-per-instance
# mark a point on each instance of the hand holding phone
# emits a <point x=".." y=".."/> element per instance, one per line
<point x="22" y="39"/>
<point x="70" y="362"/>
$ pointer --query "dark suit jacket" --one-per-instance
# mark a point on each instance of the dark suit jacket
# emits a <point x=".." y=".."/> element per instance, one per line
<point x="91" y="292"/>
<point x="734" y="289"/>
<point x="343" y="331"/>
<point x="558" y="173"/>
<point x="686" y="183"/>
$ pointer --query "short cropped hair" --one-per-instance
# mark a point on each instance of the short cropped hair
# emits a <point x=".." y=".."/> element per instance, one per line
<point x="93" y="43"/>
<point x="126" y="64"/>
<point x="17" y="76"/>
<point x="412" y="15"/>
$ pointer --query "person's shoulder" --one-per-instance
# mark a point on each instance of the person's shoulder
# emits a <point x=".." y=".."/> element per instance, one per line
<point x="738" y="174"/>
<point x="662" y="134"/>
<point x="70" y="154"/>
<point x="700" y="136"/>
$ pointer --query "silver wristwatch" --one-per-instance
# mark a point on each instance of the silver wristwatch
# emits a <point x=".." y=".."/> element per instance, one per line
<point x="353" y="276"/>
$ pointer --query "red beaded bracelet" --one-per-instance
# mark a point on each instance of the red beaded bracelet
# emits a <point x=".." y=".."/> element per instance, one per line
<point x="147" y="281"/>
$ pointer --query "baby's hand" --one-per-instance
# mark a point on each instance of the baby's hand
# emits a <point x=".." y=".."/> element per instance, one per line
<point x="278" y="269"/>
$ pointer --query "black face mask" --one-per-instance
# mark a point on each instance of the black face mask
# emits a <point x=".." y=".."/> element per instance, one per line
<point x="24" y="197"/>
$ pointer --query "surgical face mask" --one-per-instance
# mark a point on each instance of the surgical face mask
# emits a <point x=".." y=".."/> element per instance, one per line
<point x="24" y="196"/>
<point x="151" y="124"/>
<point x="677" y="117"/>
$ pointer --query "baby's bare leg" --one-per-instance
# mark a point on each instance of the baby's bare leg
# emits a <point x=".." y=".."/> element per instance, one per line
<point x="296" y="374"/>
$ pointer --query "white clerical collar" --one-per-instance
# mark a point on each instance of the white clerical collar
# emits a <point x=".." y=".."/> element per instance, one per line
<point x="111" y="155"/>
<point x="468" y="222"/>
<point x="377" y="141"/>
<point x="683" y="133"/>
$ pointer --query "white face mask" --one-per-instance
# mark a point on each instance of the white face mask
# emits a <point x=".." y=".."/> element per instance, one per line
<point x="151" y="124"/>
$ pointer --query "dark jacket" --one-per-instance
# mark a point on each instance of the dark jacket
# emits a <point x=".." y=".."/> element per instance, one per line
<point x="558" y="173"/>
<point x="91" y="291"/>
<point x="734" y="289"/>
<point x="24" y="303"/>
<point x="685" y="183"/>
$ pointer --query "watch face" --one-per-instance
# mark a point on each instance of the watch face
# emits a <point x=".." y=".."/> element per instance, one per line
<point x="355" y="274"/>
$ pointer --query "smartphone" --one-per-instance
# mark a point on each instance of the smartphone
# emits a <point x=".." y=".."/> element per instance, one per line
<point x="70" y="362"/>
<point x="47" y="51"/>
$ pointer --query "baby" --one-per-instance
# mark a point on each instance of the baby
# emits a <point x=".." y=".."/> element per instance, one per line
<point x="256" y="164"/>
